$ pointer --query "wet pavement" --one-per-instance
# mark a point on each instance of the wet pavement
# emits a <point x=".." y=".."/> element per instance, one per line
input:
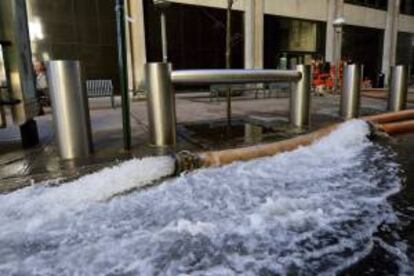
<point x="201" y="126"/>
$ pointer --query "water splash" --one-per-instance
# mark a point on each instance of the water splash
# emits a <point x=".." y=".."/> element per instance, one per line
<point x="311" y="211"/>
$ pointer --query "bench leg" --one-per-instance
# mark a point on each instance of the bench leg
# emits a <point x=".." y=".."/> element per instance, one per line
<point x="113" y="101"/>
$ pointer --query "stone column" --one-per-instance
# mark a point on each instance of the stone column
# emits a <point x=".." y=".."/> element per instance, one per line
<point x="390" y="38"/>
<point x="253" y="34"/>
<point x="333" y="39"/>
<point x="137" y="42"/>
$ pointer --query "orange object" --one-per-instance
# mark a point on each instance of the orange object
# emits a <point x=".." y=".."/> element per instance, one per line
<point x="390" y="117"/>
<point x="398" y="127"/>
<point x="380" y="121"/>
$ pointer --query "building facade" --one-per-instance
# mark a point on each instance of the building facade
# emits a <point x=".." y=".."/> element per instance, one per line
<point x="376" y="33"/>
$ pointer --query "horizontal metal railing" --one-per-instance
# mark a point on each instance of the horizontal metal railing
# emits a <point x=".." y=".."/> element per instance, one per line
<point x="223" y="76"/>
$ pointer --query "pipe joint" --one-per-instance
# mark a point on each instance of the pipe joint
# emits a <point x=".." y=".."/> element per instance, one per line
<point x="187" y="161"/>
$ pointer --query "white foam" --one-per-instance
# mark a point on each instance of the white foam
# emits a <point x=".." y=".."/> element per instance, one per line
<point x="45" y="203"/>
<point x="311" y="211"/>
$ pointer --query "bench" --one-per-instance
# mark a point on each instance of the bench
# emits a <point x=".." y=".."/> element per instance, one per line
<point x="281" y="89"/>
<point x="220" y="90"/>
<point x="100" y="88"/>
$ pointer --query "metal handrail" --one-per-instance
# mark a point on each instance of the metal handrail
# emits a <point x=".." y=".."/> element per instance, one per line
<point x="226" y="76"/>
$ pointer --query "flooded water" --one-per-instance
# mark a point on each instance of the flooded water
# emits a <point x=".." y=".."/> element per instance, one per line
<point x="323" y="209"/>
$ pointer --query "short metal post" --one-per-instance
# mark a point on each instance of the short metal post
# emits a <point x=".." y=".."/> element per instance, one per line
<point x="161" y="104"/>
<point x="70" y="109"/>
<point x="397" y="96"/>
<point x="351" y="90"/>
<point x="300" y="98"/>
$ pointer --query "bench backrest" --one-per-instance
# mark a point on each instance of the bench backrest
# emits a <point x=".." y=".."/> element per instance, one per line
<point x="99" y="88"/>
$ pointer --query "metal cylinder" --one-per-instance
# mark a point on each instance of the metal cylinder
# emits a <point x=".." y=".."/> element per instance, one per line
<point x="232" y="76"/>
<point x="300" y="98"/>
<point x="161" y="104"/>
<point x="351" y="90"/>
<point x="70" y="109"/>
<point x="397" y="96"/>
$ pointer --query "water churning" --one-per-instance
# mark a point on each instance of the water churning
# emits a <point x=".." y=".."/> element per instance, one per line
<point x="313" y="210"/>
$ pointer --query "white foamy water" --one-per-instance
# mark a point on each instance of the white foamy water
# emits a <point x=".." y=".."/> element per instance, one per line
<point x="311" y="211"/>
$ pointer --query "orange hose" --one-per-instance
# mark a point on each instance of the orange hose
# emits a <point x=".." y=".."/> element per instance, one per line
<point x="390" y="117"/>
<point x="223" y="157"/>
<point x="398" y="127"/>
<point x="381" y="121"/>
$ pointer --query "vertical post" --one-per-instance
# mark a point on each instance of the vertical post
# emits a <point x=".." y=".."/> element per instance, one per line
<point x="164" y="36"/>
<point x="335" y="11"/>
<point x="15" y="45"/>
<point x="29" y="134"/>
<point x="397" y="96"/>
<point x="253" y="34"/>
<point x="249" y="20"/>
<point x="70" y="109"/>
<point x="137" y="41"/>
<point x="228" y="61"/>
<point x="390" y="38"/>
<point x="123" y="74"/>
<point x="3" y="120"/>
<point x="300" y="98"/>
<point x="351" y="90"/>
<point x="161" y="104"/>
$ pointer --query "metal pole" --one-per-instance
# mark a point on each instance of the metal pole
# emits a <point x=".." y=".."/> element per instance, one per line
<point x="70" y="109"/>
<point x="228" y="61"/>
<point x="397" y="96"/>
<point x="123" y="74"/>
<point x="300" y="98"/>
<point x="351" y="90"/>
<point x="221" y="76"/>
<point x="161" y="104"/>
<point x="337" y="61"/>
<point x="164" y="35"/>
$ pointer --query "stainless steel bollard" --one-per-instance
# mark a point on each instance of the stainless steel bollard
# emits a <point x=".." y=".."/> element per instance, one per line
<point x="70" y="109"/>
<point x="351" y="90"/>
<point x="300" y="98"/>
<point x="397" y="96"/>
<point x="161" y="104"/>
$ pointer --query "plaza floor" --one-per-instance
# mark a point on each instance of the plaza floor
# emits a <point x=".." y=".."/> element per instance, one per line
<point x="201" y="126"/>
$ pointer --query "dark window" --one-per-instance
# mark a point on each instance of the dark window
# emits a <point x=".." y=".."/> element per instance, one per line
<point x="375" y="4"/>
<point x="407" y="7"/>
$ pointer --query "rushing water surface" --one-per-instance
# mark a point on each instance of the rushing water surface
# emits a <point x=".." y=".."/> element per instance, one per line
<point x="317" y="210"/>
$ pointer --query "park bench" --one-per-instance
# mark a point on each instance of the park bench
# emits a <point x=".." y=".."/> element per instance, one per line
<point x="100" y="88"/>
<point x="268" y="90"/>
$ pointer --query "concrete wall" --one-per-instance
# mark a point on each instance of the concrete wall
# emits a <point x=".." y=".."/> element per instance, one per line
<point x="365" y="17"/>
<point x="316" y="10"/>
<point x="76" y="29"/>
<point x="406" y="23"/>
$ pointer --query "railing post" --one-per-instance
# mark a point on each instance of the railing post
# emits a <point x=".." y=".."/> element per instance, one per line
<point x="351" y="90"/>
<point x="70" y="109"/>
<point x="397" y="96"/>
<point x="300" y="98"/>
<point x="161" y="104"/>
